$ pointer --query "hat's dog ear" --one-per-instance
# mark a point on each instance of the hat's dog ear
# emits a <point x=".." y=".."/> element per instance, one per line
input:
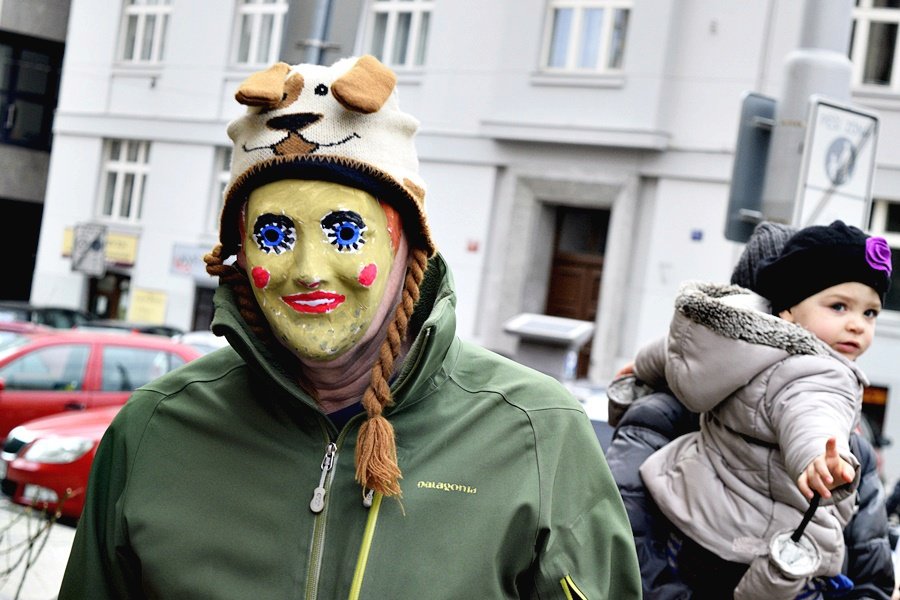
<point x="264" y="88"/>
<point x="365" y="87"/>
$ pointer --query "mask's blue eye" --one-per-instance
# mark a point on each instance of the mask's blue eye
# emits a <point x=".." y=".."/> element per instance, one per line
<point x="274" y="233"/>
<point x="344" y="229"/>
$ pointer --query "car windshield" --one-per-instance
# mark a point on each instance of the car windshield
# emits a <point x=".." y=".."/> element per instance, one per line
<point x="13" y="314"/>
<point x="10" y="341"/>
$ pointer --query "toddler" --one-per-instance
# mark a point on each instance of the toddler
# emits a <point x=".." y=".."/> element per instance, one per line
<point x="776" y="380"/>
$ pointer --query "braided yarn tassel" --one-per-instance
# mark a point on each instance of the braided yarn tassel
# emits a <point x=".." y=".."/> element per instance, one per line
<point x="376" y="447"/>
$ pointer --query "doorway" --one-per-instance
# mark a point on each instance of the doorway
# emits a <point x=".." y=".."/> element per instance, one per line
<point x="108" y="296"/>
<point x="577" y="269"/>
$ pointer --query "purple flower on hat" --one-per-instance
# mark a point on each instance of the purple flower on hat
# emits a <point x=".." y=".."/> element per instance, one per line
<point x="878" y="254"/>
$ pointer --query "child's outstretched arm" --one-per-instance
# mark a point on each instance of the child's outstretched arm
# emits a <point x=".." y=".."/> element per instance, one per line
<point x="826" y="472"/>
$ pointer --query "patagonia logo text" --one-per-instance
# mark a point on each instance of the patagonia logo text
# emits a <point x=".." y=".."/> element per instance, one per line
<point x="447" y="487"/>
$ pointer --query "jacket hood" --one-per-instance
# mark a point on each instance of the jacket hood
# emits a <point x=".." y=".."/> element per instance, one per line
<point x="723" y="335"/>
<point x="433" y="324"/>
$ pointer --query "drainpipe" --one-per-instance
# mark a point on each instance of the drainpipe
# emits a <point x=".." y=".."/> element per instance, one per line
<point x="819" y="65"/>
<point x="317" y="43"/>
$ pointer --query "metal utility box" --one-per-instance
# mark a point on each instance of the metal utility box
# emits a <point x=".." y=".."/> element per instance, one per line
<point x="549" y="344"/>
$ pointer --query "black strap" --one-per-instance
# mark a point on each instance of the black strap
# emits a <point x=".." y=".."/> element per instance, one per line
<point x="813" y="505"/>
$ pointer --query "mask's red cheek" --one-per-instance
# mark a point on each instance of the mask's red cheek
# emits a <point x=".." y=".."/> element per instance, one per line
<point x="260" y="277"/>
<point x="368" y="274"/>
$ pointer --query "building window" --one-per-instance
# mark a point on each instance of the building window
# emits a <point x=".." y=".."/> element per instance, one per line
<point x="398" y="31"/>
<point x="873" y="44"/>
<point x="886" y="223"/>
<point x="144" y="31"/>
<point x="586" y="35"/>
<point x="222" y="177"/>
<point x="259" y="29"/>
<point x="29" y="86"/>
<point x="125" y="169"/>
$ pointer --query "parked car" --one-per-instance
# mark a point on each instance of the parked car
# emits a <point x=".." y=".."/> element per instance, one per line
<point x="203" y="340"/>
<point x="22" y="327"/>
<point x="43" y="373"/>
<point x="46" y="462"/>
<point x="118" y="326"/>
<point x="59" y="317"/>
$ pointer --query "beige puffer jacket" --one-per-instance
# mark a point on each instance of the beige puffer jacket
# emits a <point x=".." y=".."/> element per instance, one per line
<point x="772" y="393"/>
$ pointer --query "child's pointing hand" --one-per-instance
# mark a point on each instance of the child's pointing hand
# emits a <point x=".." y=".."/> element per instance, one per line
<point x="825" y="472"/>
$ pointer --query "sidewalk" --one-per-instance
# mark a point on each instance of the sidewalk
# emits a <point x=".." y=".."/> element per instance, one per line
<point x="37" y="577"/>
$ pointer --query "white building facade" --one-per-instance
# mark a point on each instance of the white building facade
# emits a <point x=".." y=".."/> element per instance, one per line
<point x="578" y="153"/>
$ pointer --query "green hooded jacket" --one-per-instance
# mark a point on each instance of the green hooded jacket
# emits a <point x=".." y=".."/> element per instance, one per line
<point x="202" y="485"/>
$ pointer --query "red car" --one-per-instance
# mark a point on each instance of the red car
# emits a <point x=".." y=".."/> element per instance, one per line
<point x="43" y="373"/>
<point x="47" y="461"/>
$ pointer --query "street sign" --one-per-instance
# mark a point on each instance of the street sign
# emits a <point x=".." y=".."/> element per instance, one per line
<point x="89" y="249"/>
<point x="838" y="164"/>
<point x="750" y="155"/>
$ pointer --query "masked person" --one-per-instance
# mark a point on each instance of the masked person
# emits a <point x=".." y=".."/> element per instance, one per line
<point x="347" y="444"/>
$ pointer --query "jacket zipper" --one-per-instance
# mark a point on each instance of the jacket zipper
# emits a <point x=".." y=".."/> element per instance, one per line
<point x="318" y="500"/>
<point x="319" y="507"/>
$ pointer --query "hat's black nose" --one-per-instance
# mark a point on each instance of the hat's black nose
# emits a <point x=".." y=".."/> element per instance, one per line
<point x="293" y="122"/>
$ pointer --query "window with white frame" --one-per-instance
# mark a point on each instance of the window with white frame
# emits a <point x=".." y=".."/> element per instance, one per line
<point x="125" y="167"/>
<point x="259" y="26"/>
<point x="144" y="31"/>
<point x="586" y="35"/>
<point x="222" y="177"/>
<point x="873" y="45"/>
<point x="398" y="31"/>
<point x="885" y="222"/>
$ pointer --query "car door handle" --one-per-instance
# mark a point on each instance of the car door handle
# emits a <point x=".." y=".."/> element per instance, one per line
<point x="75" y="406"/>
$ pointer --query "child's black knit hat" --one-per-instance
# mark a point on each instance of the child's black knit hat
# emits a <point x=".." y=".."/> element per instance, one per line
<point x="818" y="257"/>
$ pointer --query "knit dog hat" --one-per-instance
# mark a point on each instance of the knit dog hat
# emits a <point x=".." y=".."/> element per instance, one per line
<point x="766" y="241"/>
<point x="818" y="257"/>
<point x="341" y="124"/>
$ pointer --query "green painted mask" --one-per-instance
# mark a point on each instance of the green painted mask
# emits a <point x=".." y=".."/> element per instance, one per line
<point x="318" y="255"/>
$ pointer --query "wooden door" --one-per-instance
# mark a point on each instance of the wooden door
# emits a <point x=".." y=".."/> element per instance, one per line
<point x="577" y="269"/>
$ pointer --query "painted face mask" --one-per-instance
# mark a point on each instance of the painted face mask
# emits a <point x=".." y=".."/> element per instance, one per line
<point x="318" y="255"/>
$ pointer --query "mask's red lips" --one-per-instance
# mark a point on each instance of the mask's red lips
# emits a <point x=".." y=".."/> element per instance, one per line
<point x="314" y="302"/>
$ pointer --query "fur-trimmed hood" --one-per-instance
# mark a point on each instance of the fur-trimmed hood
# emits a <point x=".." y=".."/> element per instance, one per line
<point x="722" y="336"/>
<point x="740" y="314"/>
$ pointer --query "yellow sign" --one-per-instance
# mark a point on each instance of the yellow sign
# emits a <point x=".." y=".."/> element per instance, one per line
<point x="121" y="248"/>
<point x="147" y="306"/>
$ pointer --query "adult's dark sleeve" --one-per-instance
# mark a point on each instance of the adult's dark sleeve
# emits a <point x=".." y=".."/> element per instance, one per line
<point x="892" y="504"/>
<point x="868" y="558"/>
<point x="649" y="424"/>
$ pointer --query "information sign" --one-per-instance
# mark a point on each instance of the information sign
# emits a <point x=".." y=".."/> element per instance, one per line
<point x="89" y="249"/>
<point x="838" y="164"/>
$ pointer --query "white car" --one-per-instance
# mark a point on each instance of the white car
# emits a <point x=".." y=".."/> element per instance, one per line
<point x="203" y="340"/>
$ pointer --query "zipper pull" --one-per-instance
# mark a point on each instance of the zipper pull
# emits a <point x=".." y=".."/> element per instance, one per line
<point x="318" y="500"/>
